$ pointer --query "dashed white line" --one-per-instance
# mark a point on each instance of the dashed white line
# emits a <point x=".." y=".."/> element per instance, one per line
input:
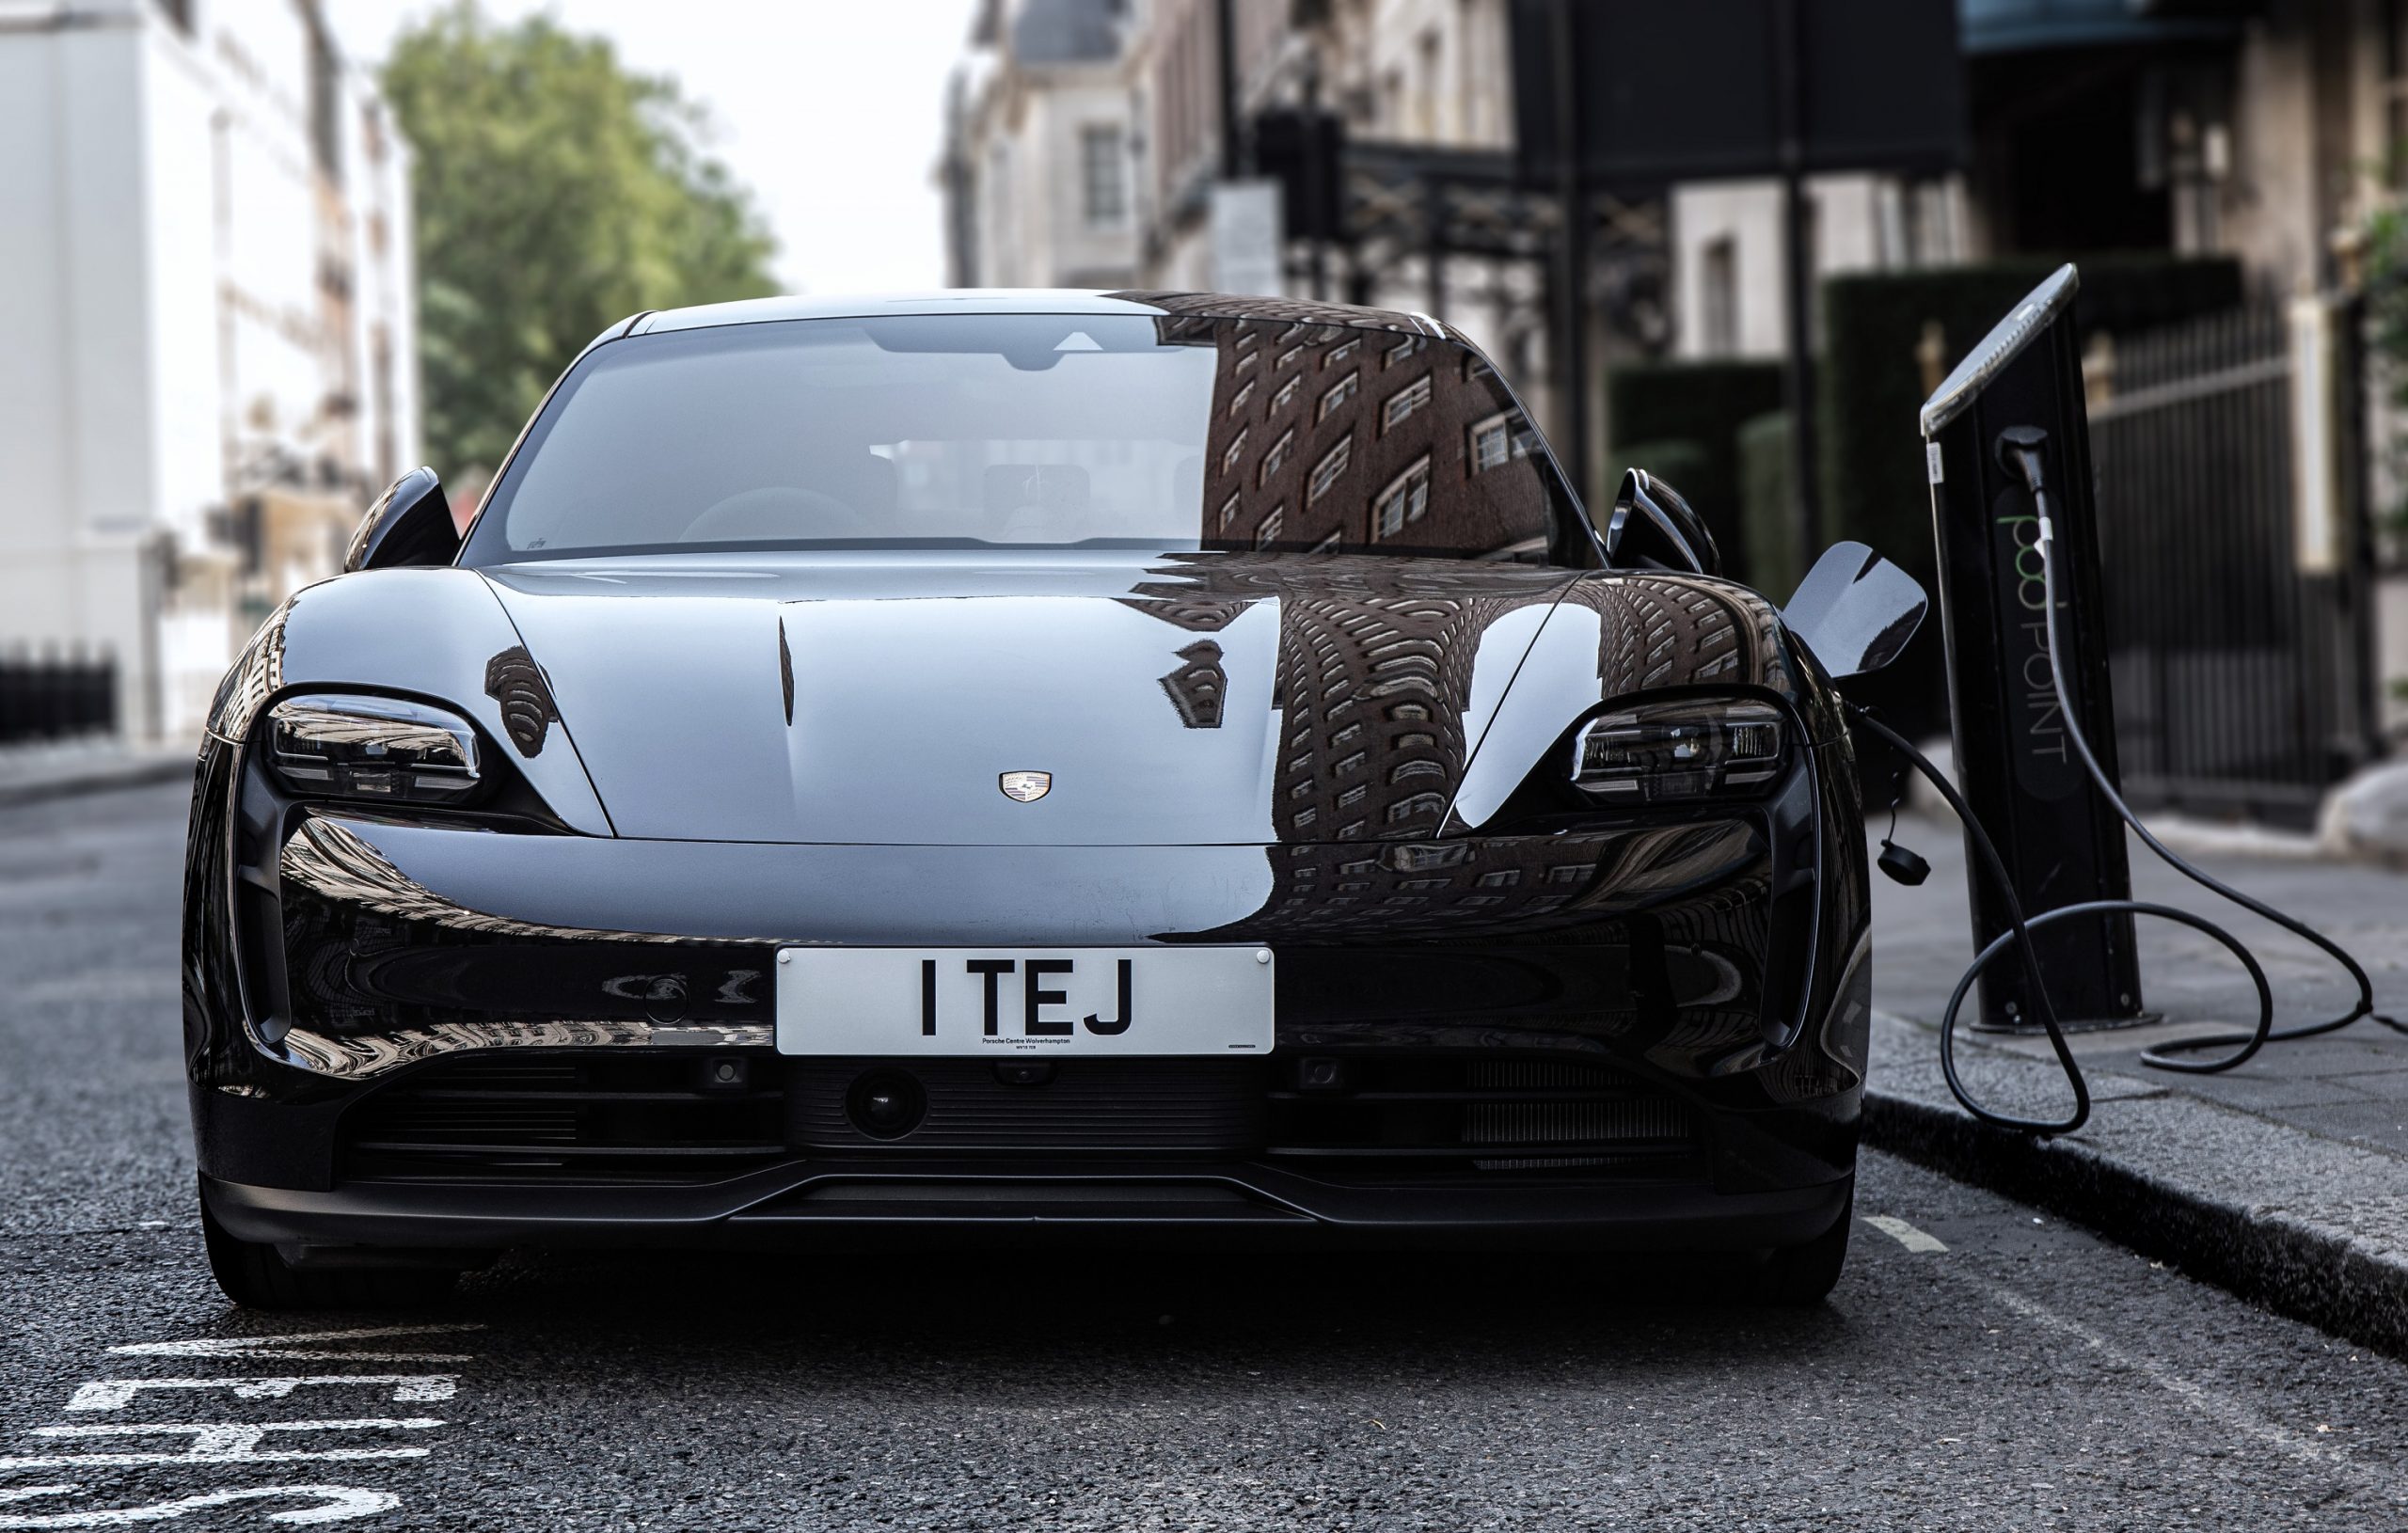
<point x="1904" y="1233"/>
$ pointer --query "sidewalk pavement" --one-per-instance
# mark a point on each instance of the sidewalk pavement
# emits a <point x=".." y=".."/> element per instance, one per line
<point x="2286" y="1179"/>
<point x="52" y="769"/>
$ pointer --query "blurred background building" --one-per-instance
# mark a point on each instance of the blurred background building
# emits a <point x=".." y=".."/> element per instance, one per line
<point x="207" y="267"/>
<point x="2227" y="172"/>
<point x="206" y="283"/>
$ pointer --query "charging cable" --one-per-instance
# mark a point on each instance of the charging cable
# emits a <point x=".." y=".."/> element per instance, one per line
<point x="2019" y="450"/>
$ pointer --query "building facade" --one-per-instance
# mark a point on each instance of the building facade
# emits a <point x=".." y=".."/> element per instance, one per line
<point x="1041" y="153"/>
<point x="205" y="272"/>
<point x="2265" y="129"/>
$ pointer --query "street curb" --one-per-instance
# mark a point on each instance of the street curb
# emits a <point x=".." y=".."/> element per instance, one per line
<point x="2308" y="1272"/>
<point x="138" y="771"/>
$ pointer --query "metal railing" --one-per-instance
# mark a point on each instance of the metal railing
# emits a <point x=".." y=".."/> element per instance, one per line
<point x="2236" y="558"/>
<point x="52" y="695"/>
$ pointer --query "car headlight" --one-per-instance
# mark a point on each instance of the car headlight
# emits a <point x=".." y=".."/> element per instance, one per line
<point x="1661" y="751"/>
<point x="350" y="746"/>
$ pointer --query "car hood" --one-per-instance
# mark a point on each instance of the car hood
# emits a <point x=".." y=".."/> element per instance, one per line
<point x="1167" y="698"/>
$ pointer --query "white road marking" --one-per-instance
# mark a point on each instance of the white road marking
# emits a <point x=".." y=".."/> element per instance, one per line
<point x="334" y="1504"/>
<point x="2199" y="1396"/>
<point x="1904" y="1233"/>
<point x="280" y="1346"/>
<point x="221" y="1442"/>
<point x="112" y="1394"/>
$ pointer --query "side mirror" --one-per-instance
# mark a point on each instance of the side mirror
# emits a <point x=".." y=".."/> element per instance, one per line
<point x="1651" y="528"/>
<point x="409" y="523"/>
<point x="1855" y="610"/>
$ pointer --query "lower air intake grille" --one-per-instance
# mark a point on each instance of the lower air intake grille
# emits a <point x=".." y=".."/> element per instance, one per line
<point x="590" y="1118"/>
<point x="1078" y="1105"/>
<point x="1403" y="1114"/>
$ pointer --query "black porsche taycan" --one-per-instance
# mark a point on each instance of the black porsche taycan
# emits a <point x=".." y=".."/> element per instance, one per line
<point x="1151" y="765"/>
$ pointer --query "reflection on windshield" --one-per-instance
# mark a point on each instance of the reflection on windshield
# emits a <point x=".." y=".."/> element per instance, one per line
<point x="1048" y="431"/>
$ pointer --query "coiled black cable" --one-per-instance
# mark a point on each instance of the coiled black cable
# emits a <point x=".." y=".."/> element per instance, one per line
<point x="2026" y="458"/>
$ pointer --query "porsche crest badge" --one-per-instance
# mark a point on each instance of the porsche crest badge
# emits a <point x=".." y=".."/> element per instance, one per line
<point x="1027" y="787"/>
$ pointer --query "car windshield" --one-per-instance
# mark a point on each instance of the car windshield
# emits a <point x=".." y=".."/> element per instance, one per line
<point x="1027" y="429"/>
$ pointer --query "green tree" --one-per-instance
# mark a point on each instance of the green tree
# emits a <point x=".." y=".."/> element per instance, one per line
<point x="556" y="192"/>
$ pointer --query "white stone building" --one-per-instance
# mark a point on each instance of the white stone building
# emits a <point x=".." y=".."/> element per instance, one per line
<point x="205" y="277"/>
<point x="1041" y="152"/>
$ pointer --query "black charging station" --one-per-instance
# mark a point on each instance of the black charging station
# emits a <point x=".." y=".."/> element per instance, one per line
<point x="2062" y="845"/>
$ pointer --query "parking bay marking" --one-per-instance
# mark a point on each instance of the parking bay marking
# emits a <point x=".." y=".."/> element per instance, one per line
<point x="334" y="1504"/>
<point x="220" y="1442"/>
<point x="2226" y="1408"/>
<point x="282" y="1348"/>
<point x="1905" y="1234"/>
<point x="407" y="1388"/>
<point x="237" y="1443"/>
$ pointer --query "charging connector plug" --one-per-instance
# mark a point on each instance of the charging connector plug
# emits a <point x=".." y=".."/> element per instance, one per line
<point x="2019" y="453"/>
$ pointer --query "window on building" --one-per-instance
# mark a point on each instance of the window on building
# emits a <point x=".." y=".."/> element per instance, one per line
<point x="1401" y="403"/>
<point x="1719" y="298"/>
<point x="1341" y="353"/>
<point x="1403" y="350"/>
<point x="1340" y="392"/>
<point x="1235" y="450"/>
<point x="1237" y="401"/>
<point x="1287" y="356"/>
<point x="1403" y="502"/>
<point x="1228" y="512"/>
<point x="1500" y="439"/>
<point x="1277" y="458"/>
<point x="1104" y="175"/>
<point x="2392" y="19"/>
<point x="1331" y="542"/>
<point x="325" y="104"/>
<point x="1492" y="444"/>
<point x="1425" y="95"/>
<point x="1287" y="391"/>
<point x="1331" y="468"/>
<point x="1268" y="533"/>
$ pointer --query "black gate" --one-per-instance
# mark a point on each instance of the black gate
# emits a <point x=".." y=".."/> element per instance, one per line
<point x="50" y="696"/>
<point x="2239" y="585"/>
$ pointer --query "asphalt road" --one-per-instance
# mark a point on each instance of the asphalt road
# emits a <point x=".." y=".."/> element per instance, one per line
<point x="2027" y="1375"/>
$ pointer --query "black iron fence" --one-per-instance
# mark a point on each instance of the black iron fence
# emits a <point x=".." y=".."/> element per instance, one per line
<point x="2238" y="562"/>
<point x="49" y="695"/>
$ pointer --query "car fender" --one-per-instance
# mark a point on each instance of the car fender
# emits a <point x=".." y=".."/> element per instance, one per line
<point x="436" y="634"/>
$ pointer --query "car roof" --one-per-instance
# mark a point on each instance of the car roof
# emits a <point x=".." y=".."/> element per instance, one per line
<point x="1033" y="300"/>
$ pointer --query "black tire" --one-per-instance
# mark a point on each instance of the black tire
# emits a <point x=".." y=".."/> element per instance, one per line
<point x="1802" y="1276"/>
<point x="257" y="1276"/>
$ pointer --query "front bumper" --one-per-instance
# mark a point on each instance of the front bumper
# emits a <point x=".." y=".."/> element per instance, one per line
<point x="838" y="1203"/>
<point x="339" y="967"/>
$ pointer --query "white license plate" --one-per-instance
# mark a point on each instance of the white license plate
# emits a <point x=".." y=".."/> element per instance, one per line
<point x="884" y="1001"/>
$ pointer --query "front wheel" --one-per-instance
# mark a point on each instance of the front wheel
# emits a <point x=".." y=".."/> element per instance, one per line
<point x="257" y="1276"/>
<point x="1802" y="1275"/>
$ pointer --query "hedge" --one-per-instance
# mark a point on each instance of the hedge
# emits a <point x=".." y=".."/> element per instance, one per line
<point x="1700" y="406"/>
<point x="1765" y="475"/>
